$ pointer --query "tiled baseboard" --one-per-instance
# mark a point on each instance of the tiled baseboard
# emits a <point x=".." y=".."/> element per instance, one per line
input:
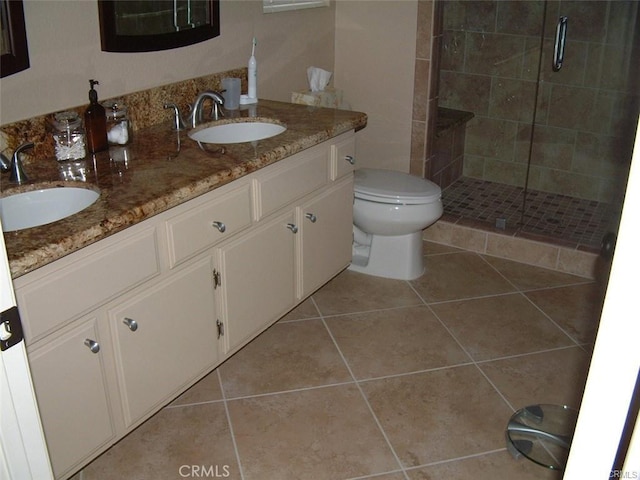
<point x="563" y="259"/>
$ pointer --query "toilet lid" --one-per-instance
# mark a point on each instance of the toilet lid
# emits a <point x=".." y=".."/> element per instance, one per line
<point x="388" y="186"/>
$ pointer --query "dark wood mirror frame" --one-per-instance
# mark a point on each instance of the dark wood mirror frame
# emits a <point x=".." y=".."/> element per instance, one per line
<point x="112" y="42"/>
<point x="17" y="59"/>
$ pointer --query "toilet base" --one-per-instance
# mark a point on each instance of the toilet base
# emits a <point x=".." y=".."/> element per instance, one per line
<point x="398" y="257"/>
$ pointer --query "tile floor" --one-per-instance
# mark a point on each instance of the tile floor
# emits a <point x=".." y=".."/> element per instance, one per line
<point x="381" y="379"/>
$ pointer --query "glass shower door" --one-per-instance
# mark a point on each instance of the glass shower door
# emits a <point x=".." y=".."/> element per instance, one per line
<point x="489" y="67"/>
<point x="586" y="112"/>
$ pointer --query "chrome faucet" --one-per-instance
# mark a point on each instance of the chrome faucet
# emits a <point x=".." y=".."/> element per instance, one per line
<point x="15" y="166"/>
<point x="195" y="114"/>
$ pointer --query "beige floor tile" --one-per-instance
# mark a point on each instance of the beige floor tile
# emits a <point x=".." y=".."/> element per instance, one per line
<point x="432" y="248"/>
<point x="528" y="277"/>
<point x="387" y="476"/>
<point x="168" y="445"/>
<point x="499" y="326"/>
<point x="388" y="342"/>
<point x="352" y="292"/>
<point x="305" y="310"/>
<point x="492" y="466"/>
<point x="206" y="390"/>
<point x="575" y="308"/>
<point x="555" y="377"/>
<point x="324" y="433"/>
<point x="287" y="356"/>
<point x="459" y="275"/>
<point x="439" y="415"/>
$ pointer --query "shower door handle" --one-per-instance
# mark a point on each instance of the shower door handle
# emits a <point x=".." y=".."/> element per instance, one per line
<point x="559" y="44"/>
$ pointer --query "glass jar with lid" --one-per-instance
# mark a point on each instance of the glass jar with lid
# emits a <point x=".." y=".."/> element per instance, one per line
<point x="68" y="136"/>
<point x="118" y="132"/>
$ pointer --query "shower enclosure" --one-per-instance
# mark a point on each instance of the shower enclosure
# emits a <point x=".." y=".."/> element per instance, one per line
<point x="553" y="89"/>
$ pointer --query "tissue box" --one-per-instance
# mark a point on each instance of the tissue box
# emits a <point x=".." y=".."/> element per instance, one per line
<point x="330" y="98"/>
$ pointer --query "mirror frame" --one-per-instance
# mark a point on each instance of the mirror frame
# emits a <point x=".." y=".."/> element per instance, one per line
<point x="112" y="42"/>
<point x="18" y="59"/>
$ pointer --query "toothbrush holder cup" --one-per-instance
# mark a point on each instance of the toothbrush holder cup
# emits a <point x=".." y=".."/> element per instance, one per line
<point x="231" y="93"/>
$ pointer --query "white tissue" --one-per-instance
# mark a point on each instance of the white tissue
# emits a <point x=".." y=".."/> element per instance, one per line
<point x="318" y="78"/>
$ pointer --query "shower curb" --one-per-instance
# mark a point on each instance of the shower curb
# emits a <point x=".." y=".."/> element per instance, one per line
<point x="508" y="246"/>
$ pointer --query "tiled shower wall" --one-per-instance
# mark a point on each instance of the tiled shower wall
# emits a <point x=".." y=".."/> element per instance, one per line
<point x="586" y="112"/>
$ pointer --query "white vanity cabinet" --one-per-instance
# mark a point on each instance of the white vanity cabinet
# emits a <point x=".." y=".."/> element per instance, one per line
<point x="163" y="338"/>
<point x="303" y="238"/>
<point x="256" y="280"/>
<point x="69" y="346"/>
<point x="69" y="375"/>
<point x="118" y="329"/>
<point x="325" y="236"/>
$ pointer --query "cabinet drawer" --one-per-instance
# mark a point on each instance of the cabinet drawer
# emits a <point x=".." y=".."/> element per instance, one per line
<point x="195" y="231"/>
<point x="296" y="177"/>
<point x="89" y="278"/>
<point x="343" y="156"/>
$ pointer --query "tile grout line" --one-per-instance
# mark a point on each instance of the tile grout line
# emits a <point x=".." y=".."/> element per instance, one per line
<point x="293" y="390"/>
<point x="457" y="459"/>
<point x="362" y="394"/>
<point x="230" y="423"/>
<point x="548" y="317"/>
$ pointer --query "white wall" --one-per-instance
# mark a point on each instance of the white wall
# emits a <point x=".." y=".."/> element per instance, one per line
<point x="64" y="51"/>
<point x="374" y="66"/>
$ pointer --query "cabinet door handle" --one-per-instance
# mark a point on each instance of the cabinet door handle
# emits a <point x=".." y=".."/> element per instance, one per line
<point x="220" y="327"/>
<point x="220" y="226"/>
<point x="292" y="227"/>
<point x="93" y="345"/>
<point x="350" y="159"/>
<point x="312" y="218"/>
<point x="131" y="323"/>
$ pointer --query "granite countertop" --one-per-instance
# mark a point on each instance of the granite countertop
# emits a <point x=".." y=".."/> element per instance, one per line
<point x="159" y="169"/>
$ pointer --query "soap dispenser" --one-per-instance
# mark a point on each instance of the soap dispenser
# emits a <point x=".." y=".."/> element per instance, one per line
<point x="95" y="122"/>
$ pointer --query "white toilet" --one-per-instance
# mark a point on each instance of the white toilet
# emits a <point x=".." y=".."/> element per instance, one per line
<point x="390" y="210"/>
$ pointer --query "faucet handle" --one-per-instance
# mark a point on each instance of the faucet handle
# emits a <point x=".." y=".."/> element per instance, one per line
<point x="217" y="112"/>
<point x="178" y="121"/>
<point x="5" y="163"/>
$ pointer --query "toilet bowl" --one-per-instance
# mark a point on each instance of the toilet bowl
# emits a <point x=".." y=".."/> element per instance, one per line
<point x="390" y="210"/>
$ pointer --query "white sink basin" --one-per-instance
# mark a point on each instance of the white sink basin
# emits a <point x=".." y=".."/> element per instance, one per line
<point x="39" y="207"/>
<point x="237" y="132"/>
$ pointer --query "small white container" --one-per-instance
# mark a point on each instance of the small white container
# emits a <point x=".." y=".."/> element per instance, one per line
<point x="118" y="132"/>
<point x="69" y="138"/>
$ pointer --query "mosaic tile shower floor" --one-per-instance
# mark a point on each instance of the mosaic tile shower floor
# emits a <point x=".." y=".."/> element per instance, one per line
<point x="583" y="222"/>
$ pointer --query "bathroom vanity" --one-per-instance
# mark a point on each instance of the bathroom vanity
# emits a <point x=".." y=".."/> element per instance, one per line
<point x="173" y="283"/>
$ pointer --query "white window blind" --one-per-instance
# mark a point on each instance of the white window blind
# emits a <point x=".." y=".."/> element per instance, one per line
<point x="273" y="6"/>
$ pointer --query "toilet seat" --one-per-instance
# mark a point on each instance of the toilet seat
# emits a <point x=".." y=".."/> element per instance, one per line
<point x="388" y="186"/>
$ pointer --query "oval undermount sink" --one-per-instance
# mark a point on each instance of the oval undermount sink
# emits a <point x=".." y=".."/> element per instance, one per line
<point x="237" y="132"/>
<point x="39" y="207"/>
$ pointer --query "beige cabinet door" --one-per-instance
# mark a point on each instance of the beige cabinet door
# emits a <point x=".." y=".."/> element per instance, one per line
<point x="256" y="279"/>
<point x="164" y="338"/>
<point x="72" y="395"/>
<point x="326" y="232"/>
